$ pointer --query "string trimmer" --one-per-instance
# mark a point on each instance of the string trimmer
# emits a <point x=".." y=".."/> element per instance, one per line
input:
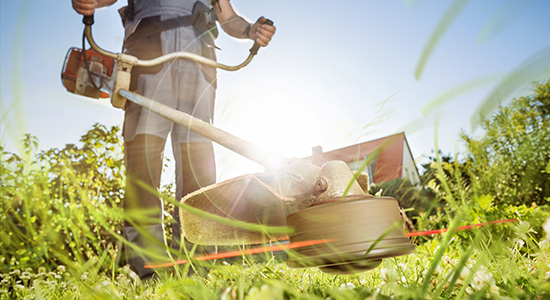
<point x="324" y="203"/>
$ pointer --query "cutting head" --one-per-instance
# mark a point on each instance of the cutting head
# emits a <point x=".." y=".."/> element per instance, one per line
<point x="363" y="230"/>
<point x="360" y="229"/>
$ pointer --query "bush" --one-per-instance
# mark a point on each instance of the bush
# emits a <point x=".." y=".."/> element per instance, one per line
<point x="506" y="173"/>
<point x="61" y="206"/>
<point x="511" y="162"/>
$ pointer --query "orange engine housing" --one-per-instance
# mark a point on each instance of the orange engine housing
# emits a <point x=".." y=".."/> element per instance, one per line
<point x="75" y="77"/>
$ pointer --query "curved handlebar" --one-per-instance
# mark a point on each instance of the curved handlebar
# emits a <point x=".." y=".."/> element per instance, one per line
<point x="89" y="21"/>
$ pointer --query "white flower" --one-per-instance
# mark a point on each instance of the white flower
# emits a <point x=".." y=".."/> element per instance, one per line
<point x="61" y="269"/>
<point x="546" y="228"/>
<point x="520" y="243"/>
<point x="388" y="275"/>
<point x="464" y="273"/>
<point x="226" y="294"/>
<point x="347" y="285"/>
<point x="26" y="275"/>
<point x="483" y="279"/>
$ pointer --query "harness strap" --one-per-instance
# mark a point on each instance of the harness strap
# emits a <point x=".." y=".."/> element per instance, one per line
<point x="150" y="26"/>
<point x="154" y="26"/>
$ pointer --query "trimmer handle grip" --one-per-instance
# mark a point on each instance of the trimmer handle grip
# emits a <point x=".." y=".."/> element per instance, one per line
<point x="256" y="46"/>
<point x="88" y="20"/>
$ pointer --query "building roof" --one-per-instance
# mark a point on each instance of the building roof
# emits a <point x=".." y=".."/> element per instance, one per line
<point x="389" y="159"/>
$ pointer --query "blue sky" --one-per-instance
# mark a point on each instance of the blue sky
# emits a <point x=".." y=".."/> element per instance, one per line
<point x="336" y="73"/>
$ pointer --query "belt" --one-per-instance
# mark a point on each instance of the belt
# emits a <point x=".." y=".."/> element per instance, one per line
<point x="153" y="25"/>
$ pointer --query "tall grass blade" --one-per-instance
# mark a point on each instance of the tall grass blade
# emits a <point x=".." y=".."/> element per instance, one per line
<point x="412" y="4"/>
<point x="534" y="68"/>
<point x="456" y="91"/>
<point x="18" y="58"/>
<point x="508" y="12"/>
<point x="461" y="265"/>
<point x="446" y="21"/>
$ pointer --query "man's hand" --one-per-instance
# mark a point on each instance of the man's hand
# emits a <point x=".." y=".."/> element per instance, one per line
<point x="261" y="33"/>
<point x="87" y="7"/>
<point x="238" y="27"/>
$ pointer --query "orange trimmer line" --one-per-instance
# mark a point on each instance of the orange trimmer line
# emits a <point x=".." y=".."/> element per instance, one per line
<point x="430" y="232"/>
<point x="304" y="244"/>
<point x="242" y="252"/>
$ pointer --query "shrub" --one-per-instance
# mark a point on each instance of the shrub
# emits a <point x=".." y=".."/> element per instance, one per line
<point x="511" y="162"/>
<point x="61" y="206"/>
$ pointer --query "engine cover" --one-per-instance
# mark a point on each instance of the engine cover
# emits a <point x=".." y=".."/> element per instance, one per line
<point x="86" y="81"/>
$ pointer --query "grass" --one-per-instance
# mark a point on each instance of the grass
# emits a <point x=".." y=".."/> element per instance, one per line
<point x="64" y="244"/>
<point x="486" y="268"/>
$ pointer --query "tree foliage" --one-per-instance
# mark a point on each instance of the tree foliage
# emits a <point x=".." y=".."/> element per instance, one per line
<point x="511" y="162"/>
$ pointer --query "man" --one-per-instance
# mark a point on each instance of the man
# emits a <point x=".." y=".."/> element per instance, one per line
<point x="183" y="85"/>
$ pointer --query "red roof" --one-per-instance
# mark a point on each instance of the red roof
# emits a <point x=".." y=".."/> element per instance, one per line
<point x="388" y="163"/>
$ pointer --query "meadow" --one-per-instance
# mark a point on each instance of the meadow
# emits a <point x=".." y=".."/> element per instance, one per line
<point x="61" y="221"/>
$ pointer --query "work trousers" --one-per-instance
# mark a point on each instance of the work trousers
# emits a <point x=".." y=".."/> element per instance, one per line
<point x="181" y="85"/>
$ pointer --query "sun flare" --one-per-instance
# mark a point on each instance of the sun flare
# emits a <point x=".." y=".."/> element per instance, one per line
<point x="286" y="122"/>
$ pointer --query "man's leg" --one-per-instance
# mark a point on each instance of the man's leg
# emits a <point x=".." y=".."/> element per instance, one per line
<point x="195" y="168"/>
<point x="143" y="226"/>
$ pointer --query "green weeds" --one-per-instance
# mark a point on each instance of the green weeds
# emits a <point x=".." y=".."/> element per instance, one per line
<point x="64" y="244"/>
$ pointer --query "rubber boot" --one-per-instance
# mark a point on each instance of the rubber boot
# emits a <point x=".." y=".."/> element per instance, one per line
<point x="144" y="209"/>
<point x="150" y="248"/>
<point x="195" y="168"/>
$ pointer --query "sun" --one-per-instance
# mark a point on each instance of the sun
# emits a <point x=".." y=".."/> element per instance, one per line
<point x="286" y="121"/>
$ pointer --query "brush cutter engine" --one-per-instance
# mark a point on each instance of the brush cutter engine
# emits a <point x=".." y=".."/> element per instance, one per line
<point x="87" y="73"/>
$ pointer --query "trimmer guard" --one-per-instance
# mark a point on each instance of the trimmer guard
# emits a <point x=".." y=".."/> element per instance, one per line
<point x="251" y="198"/>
